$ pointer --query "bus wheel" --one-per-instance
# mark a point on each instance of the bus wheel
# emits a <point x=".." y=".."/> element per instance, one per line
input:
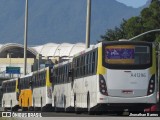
<point x="65" y="109"/>
<point x="11" y="106"/>
<point x="21" y="106"/>
<point x="55" y="108"/>
<point x="5" y="109"/>
<point x="136" y="110"/>
<point x="34" y="108"/>
<point x="90" y="112"/>
<point x="75" y="106"/>
<point x="15" y="108"/>
<point x="28" y="106"/>
<point x="41" y="105"/>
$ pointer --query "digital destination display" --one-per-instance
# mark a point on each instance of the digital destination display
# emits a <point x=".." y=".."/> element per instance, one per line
<point x="119" y="53"/>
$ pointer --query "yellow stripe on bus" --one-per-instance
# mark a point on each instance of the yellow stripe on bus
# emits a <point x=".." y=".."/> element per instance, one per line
<point x="153" y="68"/>
<point x="48" y="83"/>
<point x="17" y="90"/>
<point x="100" y="69"/>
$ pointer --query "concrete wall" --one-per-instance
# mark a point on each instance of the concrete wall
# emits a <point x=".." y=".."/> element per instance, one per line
<point x="15" y="62"/>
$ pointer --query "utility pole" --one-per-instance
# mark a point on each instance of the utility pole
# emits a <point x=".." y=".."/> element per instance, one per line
<point x="88" y="23"/>
<point x="25" y="37"/>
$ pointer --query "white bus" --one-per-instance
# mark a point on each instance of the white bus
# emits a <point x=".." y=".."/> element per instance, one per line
<point x="10" y="95"/>
<point x="62" y="86"/>
<point x="42" y="89"/>
<point x="115" y="76"/>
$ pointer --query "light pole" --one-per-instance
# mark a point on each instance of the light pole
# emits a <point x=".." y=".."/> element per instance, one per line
<point x="59" y="55"/>
<point x="10" y="59"/>
<point x="10" y="63"/>
<point x="150" y="31"/>
<point x="88" y="23"/>
<point x="25" y="37"/>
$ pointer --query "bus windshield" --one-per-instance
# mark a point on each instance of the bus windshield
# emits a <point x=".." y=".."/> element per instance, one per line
<point x="128" y="55"/>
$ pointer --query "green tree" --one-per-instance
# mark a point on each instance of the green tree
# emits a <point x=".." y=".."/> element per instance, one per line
<point x="115" y="34"/>
<point x="149" y="19"/>
<point x="133" y="27"/>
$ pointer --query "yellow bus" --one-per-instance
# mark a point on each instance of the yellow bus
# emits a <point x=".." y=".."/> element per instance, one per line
<point x="25" y="89"/>
<point x="36" y="90"/>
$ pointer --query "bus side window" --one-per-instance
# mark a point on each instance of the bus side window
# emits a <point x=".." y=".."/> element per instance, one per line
<point x="56" y="74"/>
<point x="44" y="77"/>
<point x="67" y="73"/>
<point x="62" y="74"/>
<point x="22" y="83"/>
<point x="1" y="89"/>
<point x="8" y="90"/>
<point x="93" y="62"/>
<point x="37" y="80"/>
<point x="40" y="79"/>
<point x="9" y="86"/>
<point x="3" y="86"/>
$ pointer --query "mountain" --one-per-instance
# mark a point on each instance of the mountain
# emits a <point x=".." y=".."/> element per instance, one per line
<point x="59" y="20"/>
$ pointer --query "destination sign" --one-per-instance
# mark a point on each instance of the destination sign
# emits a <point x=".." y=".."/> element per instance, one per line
<point x="117" y="53"/>
<point x="13" y="70"/>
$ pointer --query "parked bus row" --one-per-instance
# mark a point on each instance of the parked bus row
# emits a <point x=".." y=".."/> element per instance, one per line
<point x="108" y="76"/>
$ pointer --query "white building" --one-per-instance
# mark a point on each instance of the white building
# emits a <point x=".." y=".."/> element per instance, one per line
<point x="11" y="54"/>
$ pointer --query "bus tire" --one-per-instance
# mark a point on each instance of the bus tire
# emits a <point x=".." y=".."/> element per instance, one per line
<point x="136" y="110"/>
<point x="11" y="105"/>
<point x="55" y="107"/>
<point x="28" y="105"/>
<point x="15" y="108"/>
<point x="30" y="108"/>
<point x="34" y="107"/>
<point x="41" y="105"/>
<point x="77" y="111"/>
<point x="5" y="109"/>
<point x="90" y="112"/>
<point x="22" y="106"/>
<point x="65" y="109"/>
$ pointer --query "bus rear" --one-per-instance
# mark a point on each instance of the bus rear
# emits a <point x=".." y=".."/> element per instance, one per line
<point x="129" y="79"/>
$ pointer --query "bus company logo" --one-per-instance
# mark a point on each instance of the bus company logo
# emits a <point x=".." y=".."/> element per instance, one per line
<point x="6" y="114"/>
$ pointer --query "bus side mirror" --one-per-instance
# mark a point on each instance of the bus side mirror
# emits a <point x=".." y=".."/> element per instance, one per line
<point x="18" y="86"/>
<point x="30" y="83"/>
<point x="70" y="73"/>
<point x="51" y="79"/>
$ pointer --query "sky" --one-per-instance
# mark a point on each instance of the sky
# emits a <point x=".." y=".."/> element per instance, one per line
<point x="134" y="3"/>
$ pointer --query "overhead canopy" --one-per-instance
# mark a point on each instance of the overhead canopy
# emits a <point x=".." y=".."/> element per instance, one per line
<point x="62" y="50"/>
<point x="16" y="51"/>
<point x="49" y="49"/>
